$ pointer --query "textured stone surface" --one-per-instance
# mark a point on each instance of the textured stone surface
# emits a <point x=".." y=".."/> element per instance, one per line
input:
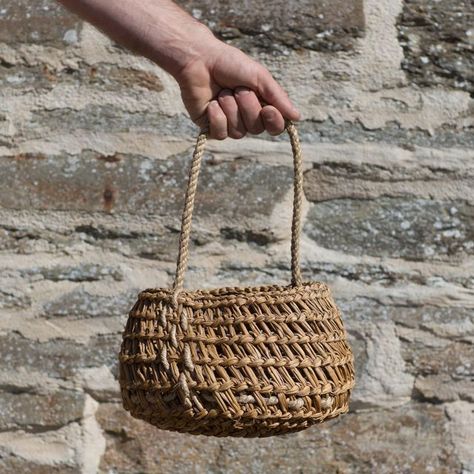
<point x="79" y="303"/>
<point x="40" y="411"/>
<point x="104" y="77"/>
<point x="47" y="451"/>
<point x="135" y="184"/>
<point x="438" y="41"/>
<point x="433" y="352"/>
<point x="392" y="134"/>
<point x="415" y="229"/>
<point x="58" y="358"/>
<point x="357" y="443"/>
<point x="322" y="25"/>
<point x="40" y="21"/>
<point x="415" y="177"/>
<point x="82" y="272"/>
<point x="94" y="149"/>
<point x="12" y="297"/>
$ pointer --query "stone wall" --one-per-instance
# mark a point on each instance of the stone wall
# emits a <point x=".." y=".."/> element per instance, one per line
<point x="94" y="149"/>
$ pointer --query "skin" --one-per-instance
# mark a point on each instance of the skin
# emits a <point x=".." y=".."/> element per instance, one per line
<point x="220" y="85"/>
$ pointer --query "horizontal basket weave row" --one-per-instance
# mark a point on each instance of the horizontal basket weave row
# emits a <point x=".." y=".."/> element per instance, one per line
<point x="236" y="361"/>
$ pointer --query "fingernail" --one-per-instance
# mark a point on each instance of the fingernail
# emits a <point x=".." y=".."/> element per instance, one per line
<point x="225" y="92"/>
<point x="242" y="90"/>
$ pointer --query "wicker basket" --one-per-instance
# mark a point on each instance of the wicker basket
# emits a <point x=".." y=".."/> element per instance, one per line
<point x="252" y="361"/>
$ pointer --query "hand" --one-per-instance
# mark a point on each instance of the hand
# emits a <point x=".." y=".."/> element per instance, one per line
<point x="222" y="87"/>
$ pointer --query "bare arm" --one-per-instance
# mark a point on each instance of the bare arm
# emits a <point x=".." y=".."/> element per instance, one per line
<point x="219" y="83"/>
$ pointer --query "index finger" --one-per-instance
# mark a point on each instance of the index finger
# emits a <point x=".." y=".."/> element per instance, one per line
<point x="273" y="94"/>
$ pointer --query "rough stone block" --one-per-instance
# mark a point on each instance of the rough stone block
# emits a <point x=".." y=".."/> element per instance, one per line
<point x="323" y="25"/>
<point x="150" y="239"/>
<point x="356" y="443"/>
<point x="59" y="358"/>
<point x="230" y="191"/>
<point x="102" y="77"/>
<point x="14" y="298"/>
<point x="79" y="273"/>
<point x="443" y="178"/>
<point x="44" y="411"/>
<point x="433" y="346"/>
<point x="413" y="229"/>
<point x="42" y="451"/>
<point x="37" y="21"/>
<point x="79" y="303"/>
<point x="109" y="117"/>
<point x="437" y="38"/>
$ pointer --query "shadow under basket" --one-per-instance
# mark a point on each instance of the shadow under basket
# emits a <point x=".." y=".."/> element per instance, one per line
<point x="236" y="361"/>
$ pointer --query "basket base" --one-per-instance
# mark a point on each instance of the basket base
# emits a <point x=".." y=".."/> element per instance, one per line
<point x="244" y="427"/>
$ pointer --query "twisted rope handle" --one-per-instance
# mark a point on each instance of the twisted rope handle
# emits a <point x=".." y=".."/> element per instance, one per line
<point x="186" y="219"/>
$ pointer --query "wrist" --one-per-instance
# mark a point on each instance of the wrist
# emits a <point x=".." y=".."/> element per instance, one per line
<point x="184" y="48"/>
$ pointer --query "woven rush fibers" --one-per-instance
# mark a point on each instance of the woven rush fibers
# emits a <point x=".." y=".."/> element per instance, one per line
<point x="267" y="360"/>
<point x="236" y="361"/>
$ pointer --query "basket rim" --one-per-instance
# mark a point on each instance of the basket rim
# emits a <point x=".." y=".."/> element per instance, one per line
<point x="240" y="294"/>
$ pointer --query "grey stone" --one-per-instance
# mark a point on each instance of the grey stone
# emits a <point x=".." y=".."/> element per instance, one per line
<point x="413" y="229"/>
<point x="322" y="26"/>
<point x="441" y="388"/>
<point x="435" y="344"/>
<point x="428" y="357"/>
<point x="79" y="273"/>
<point x="415" y="435"/>
<point x="136" y="184"/>
<point x="108" y="117"/>
<point x="11" y="464"/>
<point x="379" y="274"/>
<point x="461" y="416"/>
<point x="79" y="304"/>
<point x="437" y="41"/>
<point x="159" y="243"/>
<point x="32" y="411"/>
<point x="328" y="131"/>
<point x="37" y="21"/>
<point x="14" y="298"/>
<point x="103" y="77"/>
<point x="450" y="323"/>
<point x="347" y="179"/>
<point x="29" y="240"/>
<point x="59" y="358"/>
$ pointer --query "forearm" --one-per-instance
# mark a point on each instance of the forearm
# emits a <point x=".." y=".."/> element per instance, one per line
<point x="157" y="29"/>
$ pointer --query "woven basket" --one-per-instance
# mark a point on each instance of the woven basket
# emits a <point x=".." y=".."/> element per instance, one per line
<point x="251" y="361"/>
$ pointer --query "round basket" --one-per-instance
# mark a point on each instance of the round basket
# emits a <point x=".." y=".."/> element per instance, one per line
<point x="236" y="361"/>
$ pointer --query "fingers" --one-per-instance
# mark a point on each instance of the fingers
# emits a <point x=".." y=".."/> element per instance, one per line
<point x="235" y="113"/>
<point x="249" y="107"/>
<point x="273" y="120"/>
<point x="217" y="121"/>
<point x="272" y="93"/>
<point x="235" y="125"/>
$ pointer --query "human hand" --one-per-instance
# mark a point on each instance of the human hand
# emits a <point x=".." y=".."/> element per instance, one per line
<point x="220" y="84"/>
<point x="222" y="87"/>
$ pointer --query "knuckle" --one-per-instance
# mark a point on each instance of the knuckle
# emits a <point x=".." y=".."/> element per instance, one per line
<point x="275" y="131"/>
<point x="221" y="135"/>
<point x="236" y="134"/>
<point x="225" y="93"/>
<point x="256" y="130"/>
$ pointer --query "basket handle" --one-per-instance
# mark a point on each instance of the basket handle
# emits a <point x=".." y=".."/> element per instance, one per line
<point x="185" y="232"/>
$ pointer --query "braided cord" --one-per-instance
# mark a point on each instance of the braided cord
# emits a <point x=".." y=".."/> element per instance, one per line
<point x="183" y="252"/>
<point x="297" y="204"/>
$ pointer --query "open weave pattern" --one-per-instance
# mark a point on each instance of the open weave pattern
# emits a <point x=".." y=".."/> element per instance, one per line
<point x="267" y="360"/>
<point x="233" y="361"/>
